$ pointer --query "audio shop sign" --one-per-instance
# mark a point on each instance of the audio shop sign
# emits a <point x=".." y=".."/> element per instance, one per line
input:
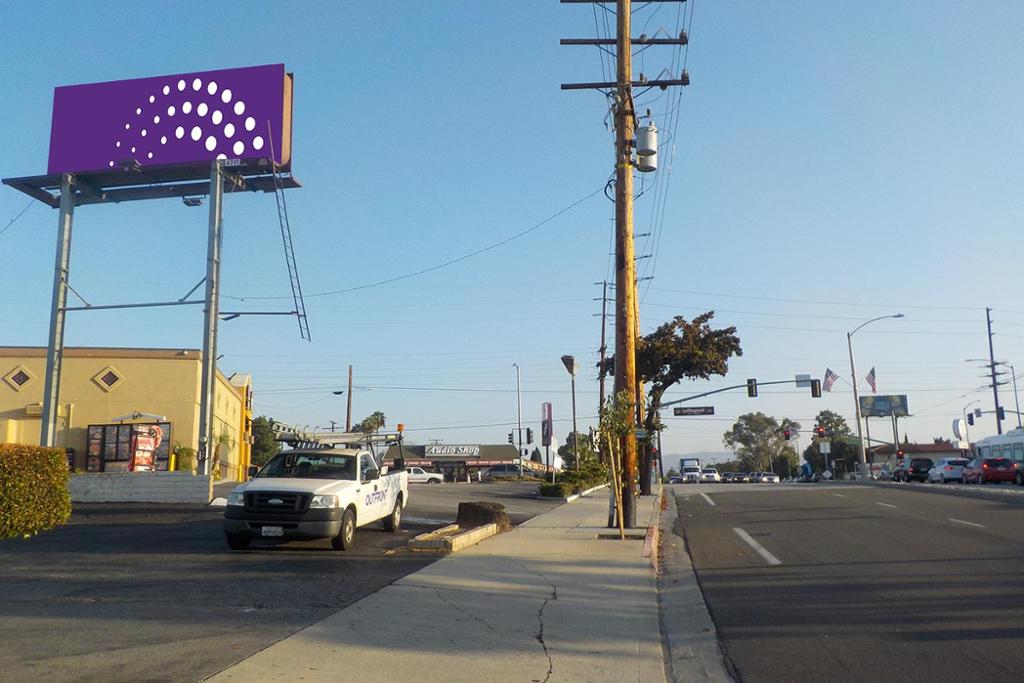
<point x="453" y="450"/>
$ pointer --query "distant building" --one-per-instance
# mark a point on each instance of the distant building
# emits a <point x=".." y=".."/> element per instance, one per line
<point x="935" y="451"/>
<point x="104" y="391"/>
<point x="459" y="461"/>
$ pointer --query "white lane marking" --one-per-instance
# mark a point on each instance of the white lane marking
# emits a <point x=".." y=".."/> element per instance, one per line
<point x="839" y="495"/>
<point x="758" y="548"/>
<point x="885" y="505"/>
<point x="961" y="521"/>
<point x="708" y="499"/>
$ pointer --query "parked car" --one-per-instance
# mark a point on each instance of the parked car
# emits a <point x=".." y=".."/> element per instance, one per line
<point x="691" y="474"/>
<point x="947" y="469"/>
<point x="709" y="475"/>
<point x="322" y="493"/>
<point x="917" y="470"/>
<point x="418" y="475"/>
<point x="989" y="471"/>
<point x="508" y="470"/>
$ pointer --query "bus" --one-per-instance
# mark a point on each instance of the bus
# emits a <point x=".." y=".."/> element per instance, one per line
<point x="1009" y="445"/>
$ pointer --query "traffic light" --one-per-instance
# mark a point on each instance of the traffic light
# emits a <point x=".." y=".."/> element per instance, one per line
<point x="815" y="388"/>
<point x="970" y="419"/>
<point x="899" y="454"/>
<point x="529" y="435"/>
<point x="787" y="435"/>
<point x="752" y="388"/>
<point x="510" y="439"/>
<point x="820" y="431"/>
<point x="1001" y="413"/>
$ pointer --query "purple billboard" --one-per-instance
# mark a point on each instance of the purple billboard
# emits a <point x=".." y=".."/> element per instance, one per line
<point x="181" y="119"/>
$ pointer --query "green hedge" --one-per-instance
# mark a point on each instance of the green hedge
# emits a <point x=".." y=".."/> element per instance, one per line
<point x="556" y="490"/>
<point x="33" y="490"/>
<point x="571" y="481"/>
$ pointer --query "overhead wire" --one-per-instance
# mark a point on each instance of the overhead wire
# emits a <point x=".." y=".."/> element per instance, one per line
<point x="15" y="219"/>
<point x="439" y="266"/>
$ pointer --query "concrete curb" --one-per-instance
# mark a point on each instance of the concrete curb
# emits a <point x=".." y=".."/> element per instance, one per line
<point x="690" y="644"/>
<point x="569" y="499"/>
<point x="438" y="542"/>
<point x="652" y="542"/>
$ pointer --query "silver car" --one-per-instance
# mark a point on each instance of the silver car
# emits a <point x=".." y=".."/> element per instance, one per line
<point x="709" y="475"/>
<point x="947" y="469"/>
<point x="765" y="478"/>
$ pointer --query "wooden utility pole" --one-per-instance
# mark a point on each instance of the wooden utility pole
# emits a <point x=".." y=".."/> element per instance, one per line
<point x="626" y="319"/>
<point x="348" y="411"/>
<point x="625" y="261"/>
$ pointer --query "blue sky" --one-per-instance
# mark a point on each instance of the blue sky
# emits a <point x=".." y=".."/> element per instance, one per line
<point x="832" y="162"/>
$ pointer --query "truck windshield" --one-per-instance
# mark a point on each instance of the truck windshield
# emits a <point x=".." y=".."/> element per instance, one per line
<point x="311" y="466"/>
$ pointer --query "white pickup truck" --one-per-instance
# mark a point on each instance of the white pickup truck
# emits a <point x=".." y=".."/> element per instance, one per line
<point x="315" y="493"/>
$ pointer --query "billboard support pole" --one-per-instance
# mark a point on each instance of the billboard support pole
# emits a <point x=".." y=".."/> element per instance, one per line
<point x="55" y="346"/>
<point x="210" y="313"/>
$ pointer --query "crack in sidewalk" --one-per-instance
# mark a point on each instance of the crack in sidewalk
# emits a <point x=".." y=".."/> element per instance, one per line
<point x="459" y="609"/>
<point x="540" y="621"/>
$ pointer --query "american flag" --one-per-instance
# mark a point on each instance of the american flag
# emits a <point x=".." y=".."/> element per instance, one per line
<point x="830" y="379"/>
<point x="872" y="381"/>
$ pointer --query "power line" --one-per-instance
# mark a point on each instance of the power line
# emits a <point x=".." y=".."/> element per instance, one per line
<point x="816" y="302"/>
<point x="20" y="214"/>
<point x="438" y="266"/>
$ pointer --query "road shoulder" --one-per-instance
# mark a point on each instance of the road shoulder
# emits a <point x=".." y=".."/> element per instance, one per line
<point x="689" y="638"/>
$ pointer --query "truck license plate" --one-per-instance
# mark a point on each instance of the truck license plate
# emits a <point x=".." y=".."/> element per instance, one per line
<point x="273" y="531"/>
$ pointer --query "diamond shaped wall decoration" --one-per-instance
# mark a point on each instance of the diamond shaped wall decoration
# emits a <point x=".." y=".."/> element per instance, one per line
<point x="19" y="378"/>
<point x="108" y="379"/>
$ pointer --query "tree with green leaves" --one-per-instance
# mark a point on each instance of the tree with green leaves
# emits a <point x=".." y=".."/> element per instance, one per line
<point x="264" y="443"/>
<point x="677" y="350"/>
<point x="371" y="424"/>
<point x="586" y="449"/>
<point x="842" y="446"/>
<point x="834" y="423"/>
<point x="758" y="440"/>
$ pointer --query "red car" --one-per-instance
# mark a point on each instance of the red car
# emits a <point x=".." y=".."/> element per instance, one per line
<point x="989" y="471"/>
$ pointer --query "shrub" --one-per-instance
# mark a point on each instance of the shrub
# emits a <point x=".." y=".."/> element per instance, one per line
<point x="589" y="475"/>
<point x="556" y="490"/>
<point x="33" y="489"/>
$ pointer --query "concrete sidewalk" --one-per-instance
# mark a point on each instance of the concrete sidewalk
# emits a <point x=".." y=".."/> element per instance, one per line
<point x="545" y="602"/>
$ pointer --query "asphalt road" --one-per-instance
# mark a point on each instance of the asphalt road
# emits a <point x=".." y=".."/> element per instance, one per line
<point x="151" y="593"/>
<point x="860" y="583"/>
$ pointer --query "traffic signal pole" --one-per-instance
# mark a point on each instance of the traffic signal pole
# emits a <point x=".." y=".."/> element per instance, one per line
<point x="745" y="385"/>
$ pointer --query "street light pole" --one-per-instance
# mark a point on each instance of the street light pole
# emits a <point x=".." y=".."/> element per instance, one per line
<point x="856" y="397"/>
<point x="519" y="420"/>
<point x="1016" y="400"/>
<point x="570" y="364"/>
<point x="967" y="428"/>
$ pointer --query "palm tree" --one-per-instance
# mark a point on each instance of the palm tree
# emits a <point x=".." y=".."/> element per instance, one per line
<point x="373" y="423"/>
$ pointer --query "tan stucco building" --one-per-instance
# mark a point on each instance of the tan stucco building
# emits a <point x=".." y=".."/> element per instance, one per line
<point x="102" y="388"/>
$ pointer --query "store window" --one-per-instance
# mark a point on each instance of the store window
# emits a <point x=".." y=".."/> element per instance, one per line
<point x="110" y="447"/>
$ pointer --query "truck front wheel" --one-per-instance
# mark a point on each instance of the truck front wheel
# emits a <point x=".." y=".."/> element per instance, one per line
<point x="237" y="541"/>
<point x="393" y="522"/>
<point x="347" y="534"/>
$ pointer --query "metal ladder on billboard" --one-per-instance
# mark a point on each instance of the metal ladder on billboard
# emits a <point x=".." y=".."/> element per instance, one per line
<point x="286" y="239"/>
